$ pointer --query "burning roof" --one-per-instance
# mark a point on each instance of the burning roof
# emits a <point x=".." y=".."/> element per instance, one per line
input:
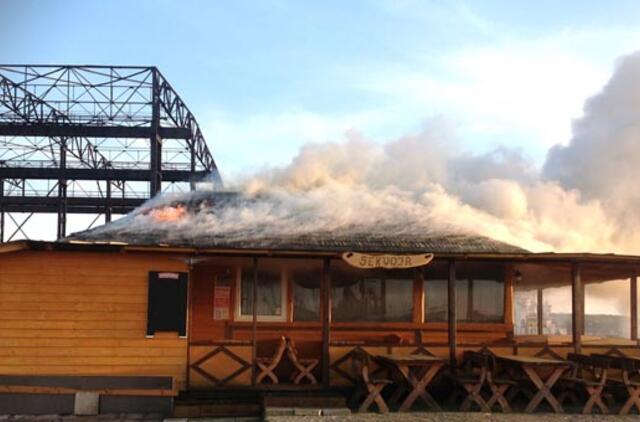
<point x="227" y="220"/>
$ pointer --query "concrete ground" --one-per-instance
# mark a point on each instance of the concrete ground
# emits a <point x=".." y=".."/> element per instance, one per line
<point x="368" y="417"/>
<point x="456" y="417"/>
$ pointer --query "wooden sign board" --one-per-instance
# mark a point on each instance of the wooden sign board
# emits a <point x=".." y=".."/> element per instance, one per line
<point x="368" y="261"/>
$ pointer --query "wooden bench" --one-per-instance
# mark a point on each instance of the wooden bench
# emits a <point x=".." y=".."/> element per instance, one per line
<point x="303" y="366"/>
<point x="267" y="365"/>
<point x="471" y="376"/>
<point x="366" y="386"/>
<point x="630" y="378"/>
<point x="590" y="374"/>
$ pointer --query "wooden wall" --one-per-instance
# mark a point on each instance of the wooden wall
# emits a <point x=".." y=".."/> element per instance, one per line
<point x="205" y="329"/>
<point x="83" y="313"/>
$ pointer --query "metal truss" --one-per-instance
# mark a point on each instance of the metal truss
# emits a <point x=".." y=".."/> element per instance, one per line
<point x="92" y="140"/>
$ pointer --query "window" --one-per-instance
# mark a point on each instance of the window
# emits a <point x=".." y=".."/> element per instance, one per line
<point x="167" y="303"/>
<point x="306" y="276"/>
<point x="479" y="292"/>
<point x="271" y="295"/>
<point x="371" y="295"/>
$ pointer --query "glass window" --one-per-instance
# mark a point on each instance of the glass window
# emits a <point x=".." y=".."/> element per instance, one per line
<point x="306" y="277"/>
<point x="370" y="295"/>
<point x="479" y="292"/>
<point x="556" y="310"/>
<point x="607" y="308"/>
<point x="526" y="312"/>
<point x="269" y="297"/>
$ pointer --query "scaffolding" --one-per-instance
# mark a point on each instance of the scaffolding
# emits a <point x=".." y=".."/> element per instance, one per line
<point x="96" y="140"/>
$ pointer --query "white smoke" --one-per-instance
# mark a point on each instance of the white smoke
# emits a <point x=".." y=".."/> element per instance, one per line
<point x="602" y="161"/>
<point x="584" y="199"/>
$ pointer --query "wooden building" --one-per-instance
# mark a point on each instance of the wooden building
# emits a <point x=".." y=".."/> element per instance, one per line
<point x="138" y="316"/>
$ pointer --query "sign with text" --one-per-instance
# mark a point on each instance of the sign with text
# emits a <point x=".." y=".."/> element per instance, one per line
<point x="370" y="261"/>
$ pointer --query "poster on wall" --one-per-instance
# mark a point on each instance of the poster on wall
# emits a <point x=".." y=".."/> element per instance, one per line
<point x="222" y="297"/>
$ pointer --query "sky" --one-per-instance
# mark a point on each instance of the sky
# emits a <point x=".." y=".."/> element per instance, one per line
<point x="350" y="100"/>
<point x="266" y="77"/>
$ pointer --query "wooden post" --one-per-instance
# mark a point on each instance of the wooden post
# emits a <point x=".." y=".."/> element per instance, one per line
<point x="509" y="288"/>
<point x="582" y="307"/>
<point x="634" y="306"/>
<point x="540" y="313"/>
<point x="418" y="297"/>
<point x="325" y="289"/>
<point x="451" y="311"/>
<point x="577" y="310"/>
<point x="254" y="321"/>
<point x="469" y="300"/>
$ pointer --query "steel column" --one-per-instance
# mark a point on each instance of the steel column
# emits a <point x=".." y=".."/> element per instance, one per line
<point x="62" y="191"/>
<point x="107" y="209"/>
<point x="155" y="184"/>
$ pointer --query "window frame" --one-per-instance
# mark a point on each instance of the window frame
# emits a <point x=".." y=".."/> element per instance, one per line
<point x="383" y="277"/>
<point x="503" y="282"/>
<point x="284" y="300"/>
<point x="291" y="285"/>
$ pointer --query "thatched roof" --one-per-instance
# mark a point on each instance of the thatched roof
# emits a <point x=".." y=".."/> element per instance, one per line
<point x="380" y="237"/>
<point x="326" y="242"/>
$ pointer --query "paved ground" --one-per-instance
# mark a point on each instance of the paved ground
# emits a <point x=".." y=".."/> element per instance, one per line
<point x="456" y="417"/>
<point x="369" y="417"/>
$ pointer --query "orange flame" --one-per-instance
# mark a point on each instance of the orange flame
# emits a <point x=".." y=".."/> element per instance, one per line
<point x="169" y="214"/>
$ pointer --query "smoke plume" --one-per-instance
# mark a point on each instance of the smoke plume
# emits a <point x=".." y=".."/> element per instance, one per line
<point x="583" y="199"/>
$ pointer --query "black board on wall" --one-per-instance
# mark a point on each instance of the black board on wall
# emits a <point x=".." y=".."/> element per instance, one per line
<point x="167" y="306"/>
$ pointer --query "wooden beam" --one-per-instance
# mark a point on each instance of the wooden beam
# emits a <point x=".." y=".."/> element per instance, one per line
<point x="451" y="311"/>
<point x="326" y="319"/>
<point x="634" y="306"/>
<point x="577" y="310"/>
<point x="30" y="389"/>
<point x="540" y="313"/>
<point x="254" y="321"/>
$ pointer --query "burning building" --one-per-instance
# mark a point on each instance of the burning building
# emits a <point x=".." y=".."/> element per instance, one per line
<point x="173" y="298"/>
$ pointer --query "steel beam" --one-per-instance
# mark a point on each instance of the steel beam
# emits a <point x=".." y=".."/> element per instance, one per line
<point x="133" y="175"/>
<point x="71" y="131"/>
<point x="57" y="122"/>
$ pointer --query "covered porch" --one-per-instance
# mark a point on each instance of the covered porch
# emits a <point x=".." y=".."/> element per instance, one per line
<point x="243" y="306"/>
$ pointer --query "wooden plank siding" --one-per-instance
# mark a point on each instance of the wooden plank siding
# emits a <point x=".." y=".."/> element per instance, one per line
<point x="83" y="313"/>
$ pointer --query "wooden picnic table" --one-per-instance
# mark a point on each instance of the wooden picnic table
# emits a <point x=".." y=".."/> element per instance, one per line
<point x="535" y="368"/>
<point x="418" y="371"/>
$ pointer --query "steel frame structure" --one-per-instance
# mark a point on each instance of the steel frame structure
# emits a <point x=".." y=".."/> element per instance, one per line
<point x="92" y="140"/>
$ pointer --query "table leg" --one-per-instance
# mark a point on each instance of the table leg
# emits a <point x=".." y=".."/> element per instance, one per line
<point x="419" y="387"/>
<point x="544" y="389"/>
